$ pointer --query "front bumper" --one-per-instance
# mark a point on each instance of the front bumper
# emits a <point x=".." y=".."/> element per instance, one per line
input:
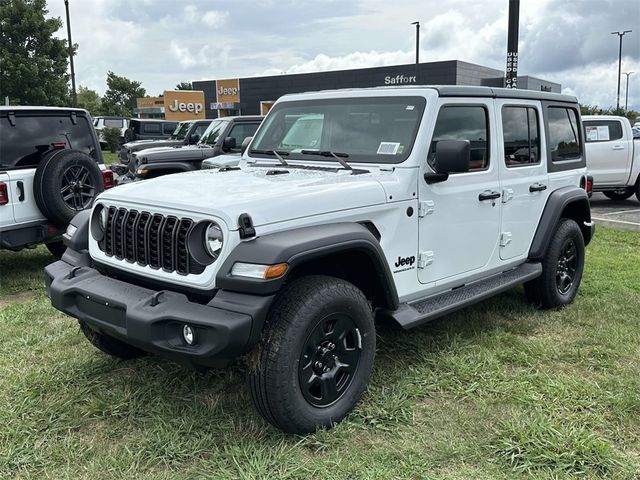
<point x="228" y="326"/>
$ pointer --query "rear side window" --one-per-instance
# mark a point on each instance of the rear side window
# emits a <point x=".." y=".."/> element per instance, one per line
<point x="168" y="128"/>
<point x="602" y="131"/>
<point x="464" y="123"/>
<point x="240" y="131"/>
<point x="24" y="144"/>
<point x="564" y="140"/>
<point x="113" y="122"/>
<point x="521" y="136"/>
<point x="151" y="128"/>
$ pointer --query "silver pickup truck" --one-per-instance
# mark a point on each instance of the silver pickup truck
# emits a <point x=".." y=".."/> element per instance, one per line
<point x="613" y="156"/>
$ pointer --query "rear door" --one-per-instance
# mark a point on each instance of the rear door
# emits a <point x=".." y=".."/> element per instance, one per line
<point x="609" y="155"/>
<point x="523" y="166"/>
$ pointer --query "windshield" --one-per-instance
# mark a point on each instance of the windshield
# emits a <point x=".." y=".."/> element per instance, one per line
<point x="373" y="129"/>
<point x="211" y="134"/>
<point x="181" y="130"/>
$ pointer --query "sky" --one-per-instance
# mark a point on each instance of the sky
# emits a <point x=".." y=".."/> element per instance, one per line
<point x="162" y="43"/>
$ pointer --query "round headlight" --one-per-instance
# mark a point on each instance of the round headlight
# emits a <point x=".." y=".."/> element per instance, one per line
<point x="102" y="218"/>
<point x="213" y="240"/>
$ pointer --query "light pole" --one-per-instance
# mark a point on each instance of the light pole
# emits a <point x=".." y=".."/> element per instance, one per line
<point x="417" y="24"/>
<point x="626" y="96"/>
<point x="620" y="35"/>
<point x="74" y="97"/>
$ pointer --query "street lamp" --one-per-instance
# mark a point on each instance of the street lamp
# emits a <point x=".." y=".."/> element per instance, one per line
<point x="626" y="97"/>
<point x="417" y="24"/>
<point x="620" y="34"/>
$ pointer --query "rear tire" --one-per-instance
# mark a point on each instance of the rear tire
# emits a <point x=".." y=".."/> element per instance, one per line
<point x="562" y="268"/>
<point x="619" y="195"/>
<point x="110" y="345"/>
<point x="315" y="356"/>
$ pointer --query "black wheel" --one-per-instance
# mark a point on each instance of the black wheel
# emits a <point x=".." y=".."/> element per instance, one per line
<point x="638" y="190"/>
<point x="316" y="355"/>
<point x="619" y="195"/>
<point x="57" y="249"/>
<point x="562" y="268"/>
<point x="66" y="182"/>
<point x="110" y="345"/>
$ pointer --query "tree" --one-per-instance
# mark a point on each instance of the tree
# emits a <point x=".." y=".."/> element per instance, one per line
<point x="184" y="86"/>
<point x="90" y="100"/>
<point x="121" y="94"/>
<point x="33" y="63"/>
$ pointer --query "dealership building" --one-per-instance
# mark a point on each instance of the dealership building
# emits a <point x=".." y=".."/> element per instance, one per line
<point x="255" y="95"/>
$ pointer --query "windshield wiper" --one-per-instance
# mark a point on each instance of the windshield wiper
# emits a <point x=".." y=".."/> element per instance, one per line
<point x="328" y="153"/>
<point x="276" y="153"/>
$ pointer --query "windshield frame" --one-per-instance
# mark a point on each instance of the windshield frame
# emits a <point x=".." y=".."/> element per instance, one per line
<point x="419" y="102"/>
<point x="204" y="140"/>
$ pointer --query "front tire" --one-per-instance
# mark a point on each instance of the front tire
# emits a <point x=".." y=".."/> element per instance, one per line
<point x="562" y="268"/>
<point x="110" y="345"/>
<point x="316" y="355"/>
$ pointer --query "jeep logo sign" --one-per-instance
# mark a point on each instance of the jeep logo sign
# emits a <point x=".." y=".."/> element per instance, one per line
<point x="185" y="107"/>
<point x="399" y="80"/>
<point x="228" y="91"/>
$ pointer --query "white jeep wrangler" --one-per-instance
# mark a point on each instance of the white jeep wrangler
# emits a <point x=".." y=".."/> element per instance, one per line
<point x="400" y="203"/>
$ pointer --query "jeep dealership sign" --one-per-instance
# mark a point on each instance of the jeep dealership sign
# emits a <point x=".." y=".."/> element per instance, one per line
<point x="400" y="80"/>
<point x="184" y="104"/>
<point x="186" y="107"/>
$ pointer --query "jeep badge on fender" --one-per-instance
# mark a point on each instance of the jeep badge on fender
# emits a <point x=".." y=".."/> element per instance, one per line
<point x="326" y="182"/>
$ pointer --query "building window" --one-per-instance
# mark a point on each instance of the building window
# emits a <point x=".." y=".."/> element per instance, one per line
<point x="521" y="136"/>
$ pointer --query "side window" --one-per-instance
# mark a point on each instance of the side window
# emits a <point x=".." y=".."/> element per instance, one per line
<point x="602" y="131"/>
<point x="151" y="127"/>
<point x="113" y="122"/>
<point x="464" y="123"/>
<point x="564" y="140"/>
<point x="168" y="128"/>
<point x="200" y="130"/>
<point x="521" y="136"/>
<point x="240" y="131"/>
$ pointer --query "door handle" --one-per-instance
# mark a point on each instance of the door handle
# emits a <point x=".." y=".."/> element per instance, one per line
<point x="617" y="147"/>
<point x="20" y="186"/>
<point x="488" y="195"/>
<point x="537" y="187"/>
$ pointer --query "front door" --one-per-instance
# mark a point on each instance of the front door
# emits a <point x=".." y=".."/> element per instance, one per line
<point x="459" y="219"/>
<point x="523" y="161"/>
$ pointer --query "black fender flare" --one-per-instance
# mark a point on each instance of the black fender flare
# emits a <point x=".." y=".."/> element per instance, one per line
<point x="557" y="203"/>
<point x="300" y="245"/>
<point x="160" y="166"/>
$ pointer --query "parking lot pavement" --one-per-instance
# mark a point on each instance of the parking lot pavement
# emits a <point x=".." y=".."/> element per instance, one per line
<point x="622" y="215"/>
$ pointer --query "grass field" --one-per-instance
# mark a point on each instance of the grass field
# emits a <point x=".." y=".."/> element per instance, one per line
<point x="499" y="390"/>
<point x="109" y="157"/>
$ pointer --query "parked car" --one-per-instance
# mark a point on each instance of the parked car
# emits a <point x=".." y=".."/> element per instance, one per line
<point x="187" y="132"/>
<point x="412" y="206"/>
<point x="51" y="168"/>
<point x="613" y="156"/>
<point x="149" y="129"/>
<point x="110" y="121"/>
<point x="636" y="132"/>
<point x="223" y="136"/>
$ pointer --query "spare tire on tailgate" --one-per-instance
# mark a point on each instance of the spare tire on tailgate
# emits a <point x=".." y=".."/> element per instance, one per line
<point x="66" y="182"/>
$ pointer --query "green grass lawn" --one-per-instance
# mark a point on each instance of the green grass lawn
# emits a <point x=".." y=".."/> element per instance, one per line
<point x="499" y="390"/>
<point x="109" y="157"/>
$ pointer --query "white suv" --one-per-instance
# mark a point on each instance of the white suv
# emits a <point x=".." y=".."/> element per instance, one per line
<point x="401" y="203"/>
<point x="50" y="169"/>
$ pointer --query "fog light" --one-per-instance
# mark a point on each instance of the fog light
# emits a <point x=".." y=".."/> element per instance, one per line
<point x="188" y="335"/>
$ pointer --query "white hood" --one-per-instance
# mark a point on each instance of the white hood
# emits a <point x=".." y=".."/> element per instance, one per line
<point x="267" y="198"/>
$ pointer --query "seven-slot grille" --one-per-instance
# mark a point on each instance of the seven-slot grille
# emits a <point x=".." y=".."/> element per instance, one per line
<point x="150" y="239"/>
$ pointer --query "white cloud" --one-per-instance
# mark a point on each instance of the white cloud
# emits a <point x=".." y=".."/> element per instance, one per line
<point x="186" y="58"/>
<point x="214" y="18"/>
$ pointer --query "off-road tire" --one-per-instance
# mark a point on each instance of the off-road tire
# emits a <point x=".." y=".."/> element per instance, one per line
<point x="274" y="367"/>
<point x="56" y="249"/>
<point x="545" y="291"/>
<point x="110" y="345"/>
<point x="619" y="195"/>
<point x="50" y="178"/>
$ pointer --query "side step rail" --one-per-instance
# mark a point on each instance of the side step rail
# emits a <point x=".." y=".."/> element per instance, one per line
<point x="410" y="315"/>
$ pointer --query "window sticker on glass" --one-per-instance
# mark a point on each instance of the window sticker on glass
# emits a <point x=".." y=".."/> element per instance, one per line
<point x="603" y="132"/>
<point x="410" y="107"/>
<point x="592" y="134"/>
<point x="388" y="148"/>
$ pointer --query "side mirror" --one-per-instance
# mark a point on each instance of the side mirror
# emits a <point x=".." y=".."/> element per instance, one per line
<point x="245" y="144"/>
<point x="195" y="138"/>
<point x="452" y="156"/>
<point x="229" y="144"/>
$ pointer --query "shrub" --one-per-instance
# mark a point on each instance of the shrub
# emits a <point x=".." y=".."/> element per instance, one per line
<point x="111" y="135"/>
